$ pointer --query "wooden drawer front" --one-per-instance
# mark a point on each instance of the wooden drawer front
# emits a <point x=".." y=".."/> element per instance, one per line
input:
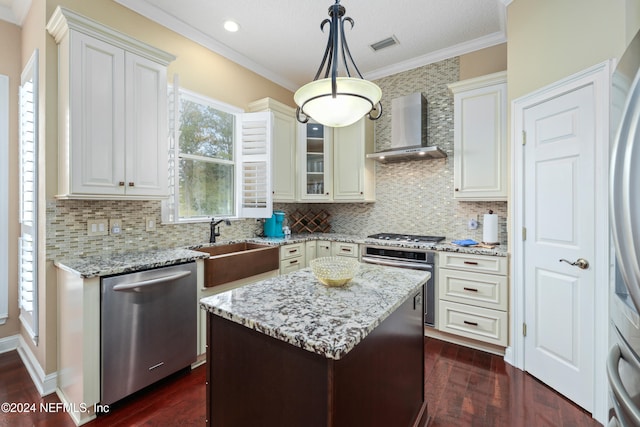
<point x="344" y="249"/>
<point x="469" y="262"/>
<point x="291" y="264"/>
<point x="291" y="251"/>
<point x="484" y="290"/>
<point x="473" y="322"/>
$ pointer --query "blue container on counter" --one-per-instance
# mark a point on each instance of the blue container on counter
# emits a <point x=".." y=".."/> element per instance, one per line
<point x="273" y="225"/>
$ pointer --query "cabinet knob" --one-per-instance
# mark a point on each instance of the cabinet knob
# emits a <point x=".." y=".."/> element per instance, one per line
<point x="121" y="183"/>
<point x="327" y="193"/>
<point x="131" y="184"/>
<point x="457" y="189"/>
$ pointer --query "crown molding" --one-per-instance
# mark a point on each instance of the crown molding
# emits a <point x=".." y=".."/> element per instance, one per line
<point x="153" y="13"/>
<point x="440" y="55"/>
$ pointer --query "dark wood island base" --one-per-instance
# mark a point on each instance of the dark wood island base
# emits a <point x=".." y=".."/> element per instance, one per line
<point x="257" y="380"/>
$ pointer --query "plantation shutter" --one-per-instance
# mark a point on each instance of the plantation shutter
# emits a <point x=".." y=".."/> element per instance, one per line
<point x="254" y="195"/>
<point x="169" y="210"/>
<point x="28" y="214"/>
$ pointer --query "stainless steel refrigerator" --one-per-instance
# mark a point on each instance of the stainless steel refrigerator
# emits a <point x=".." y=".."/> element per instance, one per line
<point x="623" y="364"/>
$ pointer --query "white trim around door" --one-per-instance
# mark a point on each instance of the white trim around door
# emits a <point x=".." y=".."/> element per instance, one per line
<point x="598" y="77"/>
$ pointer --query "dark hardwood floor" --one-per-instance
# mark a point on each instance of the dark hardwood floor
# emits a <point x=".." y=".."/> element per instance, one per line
<point x="464" y="387"/>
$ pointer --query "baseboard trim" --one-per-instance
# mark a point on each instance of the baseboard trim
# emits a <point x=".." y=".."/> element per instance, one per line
<point x="45" y="384"/>
<point x="9" y="343"/>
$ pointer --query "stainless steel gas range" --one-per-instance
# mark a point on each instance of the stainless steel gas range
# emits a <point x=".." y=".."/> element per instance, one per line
<point x="407" y="251"/>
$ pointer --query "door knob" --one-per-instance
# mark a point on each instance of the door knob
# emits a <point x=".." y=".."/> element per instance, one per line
<point x="580" y="263"/>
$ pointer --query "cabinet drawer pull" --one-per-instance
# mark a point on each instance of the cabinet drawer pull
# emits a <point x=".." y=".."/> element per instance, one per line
<point x="295" y="261"/>
<point x="466" y="322"/>
<point x="346" y="250"/>
<point x="470" y="289"/>
<point x="471" y="262"/>
<point x="292" y="251"/>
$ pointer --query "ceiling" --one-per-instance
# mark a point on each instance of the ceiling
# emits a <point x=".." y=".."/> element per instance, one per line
<point x="282" y="41"/>
<point x="14" y="11"/>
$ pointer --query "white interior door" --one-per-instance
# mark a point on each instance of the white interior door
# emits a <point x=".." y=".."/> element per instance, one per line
<point x="559" y="206"/>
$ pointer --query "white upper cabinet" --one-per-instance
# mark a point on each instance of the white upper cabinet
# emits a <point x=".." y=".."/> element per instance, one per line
<point x="353" y="174"/>
<point x="333" y="163"/>
<point x="316" y="161"/>
<point x="112" y="94"/>
<point x="283" y="148"/>
<point x="480" y="130"/>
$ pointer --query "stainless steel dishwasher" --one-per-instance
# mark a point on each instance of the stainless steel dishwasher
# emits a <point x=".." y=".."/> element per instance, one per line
<point x="148" y="328"/>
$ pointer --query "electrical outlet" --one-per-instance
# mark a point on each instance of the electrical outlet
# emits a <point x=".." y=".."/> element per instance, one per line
<point x="115" y="226"/>
<point x="472" y="224"/>
<point x="150" y="223"/>
<point x="97" y="227"/>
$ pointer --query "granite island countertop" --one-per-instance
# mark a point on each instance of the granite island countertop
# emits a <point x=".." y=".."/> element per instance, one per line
<point x="298" y="309"/>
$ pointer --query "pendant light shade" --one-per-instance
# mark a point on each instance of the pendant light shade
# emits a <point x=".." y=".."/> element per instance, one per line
<point x="337" y="101"/>
<point x="354" y="98"/>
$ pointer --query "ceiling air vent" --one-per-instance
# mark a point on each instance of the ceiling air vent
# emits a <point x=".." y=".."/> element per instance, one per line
<point x="389" y="41"/>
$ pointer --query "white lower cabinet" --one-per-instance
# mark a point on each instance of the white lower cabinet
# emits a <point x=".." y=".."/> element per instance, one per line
<point x="292" y="257"/>
<point x="323" y="248"/>
<point x="344" y="249"/>
<point x="473" y="297"/>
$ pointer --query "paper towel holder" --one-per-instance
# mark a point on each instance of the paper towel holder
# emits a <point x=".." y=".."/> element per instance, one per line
<point x="495" y="230"/>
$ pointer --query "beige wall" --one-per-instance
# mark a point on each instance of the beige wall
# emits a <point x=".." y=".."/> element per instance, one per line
<point x="483" y="62"/>
<point x="10" y="61"/>
<point x="550" y="39"/>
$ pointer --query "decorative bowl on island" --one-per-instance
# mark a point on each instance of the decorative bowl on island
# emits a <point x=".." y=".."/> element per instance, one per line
<point x="334" y="270"/>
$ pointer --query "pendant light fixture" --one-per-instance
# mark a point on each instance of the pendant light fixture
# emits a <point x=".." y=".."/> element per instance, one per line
<point x="337" y="101"/>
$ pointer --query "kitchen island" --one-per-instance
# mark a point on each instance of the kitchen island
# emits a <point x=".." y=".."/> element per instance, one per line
<point x="289" y="351"/>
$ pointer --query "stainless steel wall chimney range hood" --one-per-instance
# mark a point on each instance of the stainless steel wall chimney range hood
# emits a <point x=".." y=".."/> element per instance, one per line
<point x="408" y="132"/>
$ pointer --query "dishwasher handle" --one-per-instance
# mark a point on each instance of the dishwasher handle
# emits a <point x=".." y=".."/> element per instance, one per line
<point x="151" y="282"/>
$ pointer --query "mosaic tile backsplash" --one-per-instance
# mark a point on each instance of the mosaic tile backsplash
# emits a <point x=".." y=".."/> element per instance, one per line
<point x="414" y="197"/>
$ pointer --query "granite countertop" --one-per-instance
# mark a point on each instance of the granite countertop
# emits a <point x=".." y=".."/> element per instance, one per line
<point x="129" y="262"/>
<point x="109" y="264"/>
<point x="298" y="309"/>
<point x="444" y="246"/>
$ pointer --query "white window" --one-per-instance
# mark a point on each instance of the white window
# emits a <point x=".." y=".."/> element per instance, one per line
<point x="28" y="215"/>
<point x="219" y="160"/>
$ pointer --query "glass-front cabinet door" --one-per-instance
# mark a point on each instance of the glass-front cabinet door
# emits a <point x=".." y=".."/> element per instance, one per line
<point x="316" y="163"/>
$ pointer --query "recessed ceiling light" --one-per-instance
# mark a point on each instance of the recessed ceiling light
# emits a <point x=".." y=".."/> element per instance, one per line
<point x="231" y="26"/>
